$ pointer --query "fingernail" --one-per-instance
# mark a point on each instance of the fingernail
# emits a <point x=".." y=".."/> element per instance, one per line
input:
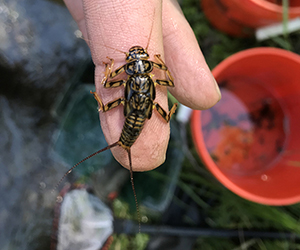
<point x="218" y="90"/>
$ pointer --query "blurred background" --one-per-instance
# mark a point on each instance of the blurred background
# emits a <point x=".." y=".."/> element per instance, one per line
<point x="49" y="121"/>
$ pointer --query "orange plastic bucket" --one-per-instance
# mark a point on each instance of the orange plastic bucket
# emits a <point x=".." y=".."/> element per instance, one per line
<point x="250" y="140"/>
<point x="240" y="18"/>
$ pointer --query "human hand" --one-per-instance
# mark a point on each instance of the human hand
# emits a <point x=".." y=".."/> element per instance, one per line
<point x="123" y="24"/>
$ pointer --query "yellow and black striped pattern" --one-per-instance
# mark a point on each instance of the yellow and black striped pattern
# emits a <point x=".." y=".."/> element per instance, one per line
<point x="138" y="66"/>
<point x="136" y="52"/>
<point x="132" y="128"/>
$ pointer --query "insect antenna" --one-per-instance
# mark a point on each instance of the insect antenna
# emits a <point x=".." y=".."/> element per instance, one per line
<point x="115" y="49"/>
<point x="151" y="30"/>
<point x="133" y="189"/>
<point x="86" y="158"/>
<point x="88" y="41"/>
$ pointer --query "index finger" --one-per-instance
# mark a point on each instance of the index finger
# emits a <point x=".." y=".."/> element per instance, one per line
<point x="121" y="26"/>
<point x="195" y="84"/>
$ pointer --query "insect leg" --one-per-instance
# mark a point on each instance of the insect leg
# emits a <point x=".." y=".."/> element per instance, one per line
<point x="117" y="71"/>
<point x="114" y="84"/>
<point x="108" y="69"/>
<point x="111" y="74"/>
<point x="163" y="113"/>
<point x="162" y="66"/>
<point x="109" y="105"/>
<point x="167" y="83"/>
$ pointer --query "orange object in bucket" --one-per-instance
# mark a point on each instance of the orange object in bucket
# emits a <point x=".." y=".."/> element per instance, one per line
<point x="250" y="140"/>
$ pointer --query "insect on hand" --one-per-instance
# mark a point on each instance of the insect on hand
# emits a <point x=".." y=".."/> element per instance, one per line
<point x="138" y="100"/>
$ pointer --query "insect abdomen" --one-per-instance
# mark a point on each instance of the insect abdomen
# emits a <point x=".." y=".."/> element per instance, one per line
<point x="132" y="128"/>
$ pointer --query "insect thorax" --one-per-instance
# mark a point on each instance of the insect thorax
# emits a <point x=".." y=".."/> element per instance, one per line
<point x="140" y="83"/>
<point x="137" y="67"/>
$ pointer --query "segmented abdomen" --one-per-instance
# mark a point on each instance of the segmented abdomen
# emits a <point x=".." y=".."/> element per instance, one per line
<point x="132" y="128"/>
